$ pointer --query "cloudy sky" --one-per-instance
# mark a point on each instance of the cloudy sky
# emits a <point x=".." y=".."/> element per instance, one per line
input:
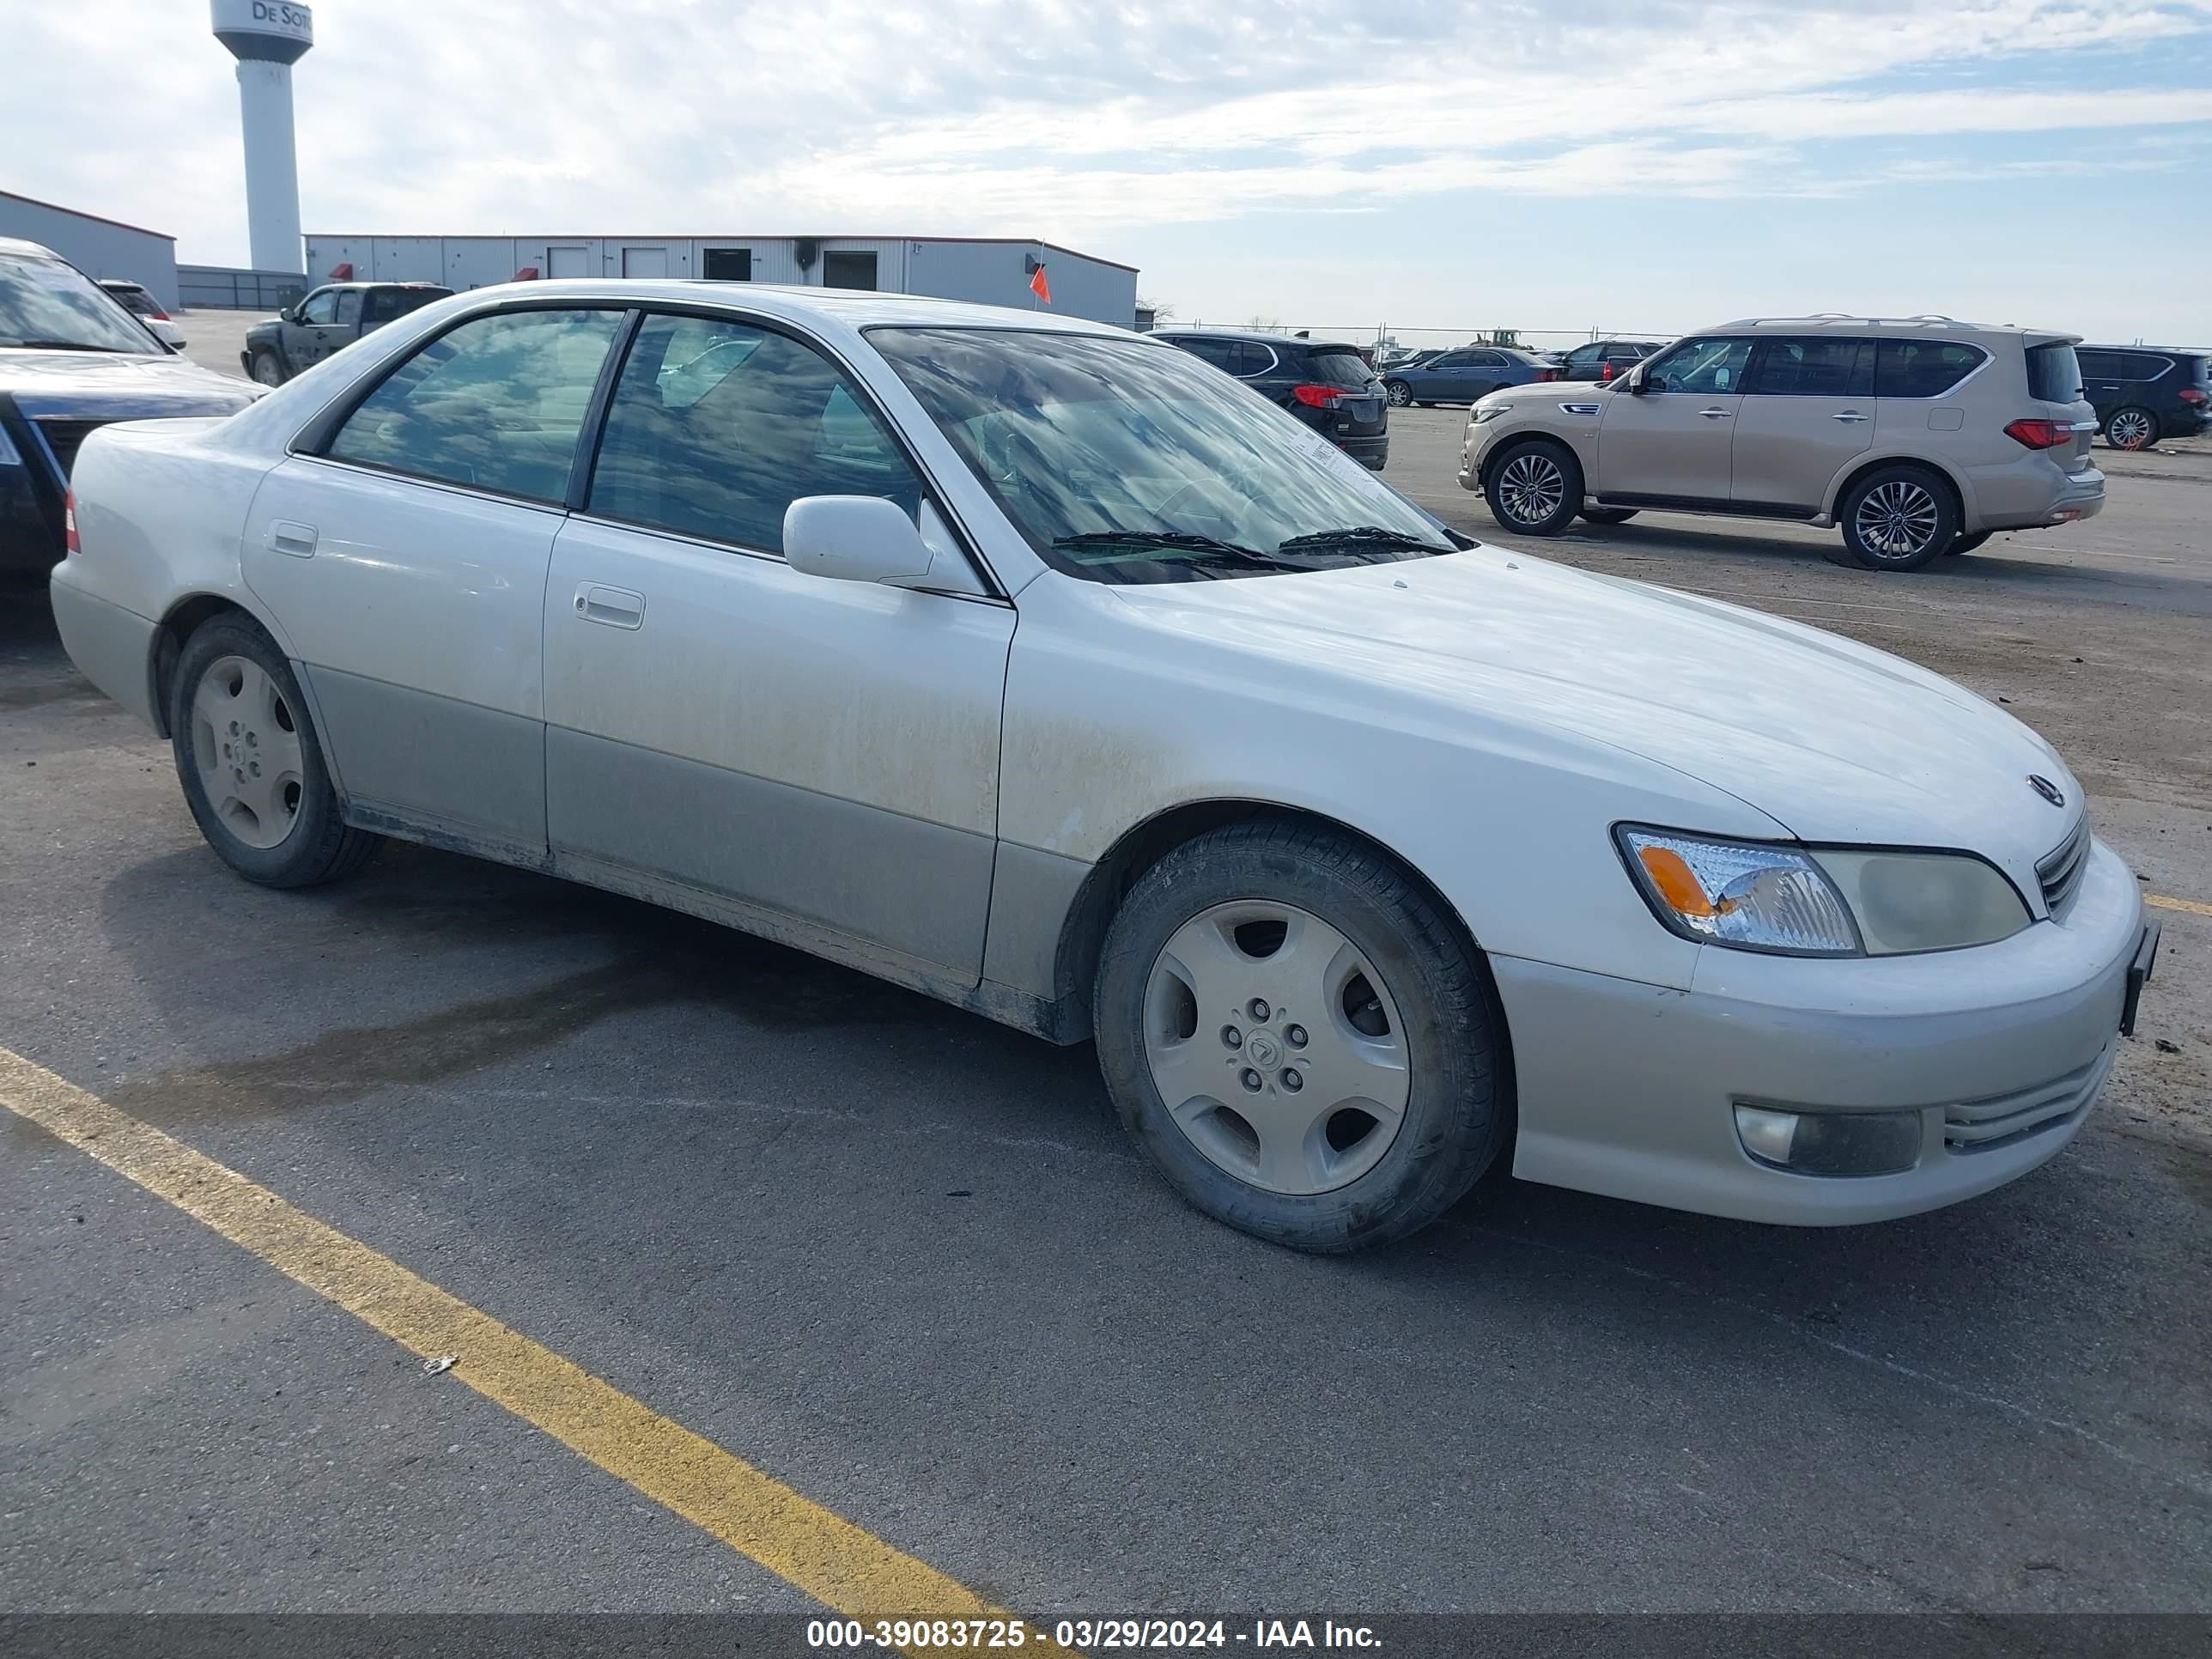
<point x="1631" y="165"/>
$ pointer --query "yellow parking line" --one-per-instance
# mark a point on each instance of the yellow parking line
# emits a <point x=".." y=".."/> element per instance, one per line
<point x="843" y="1566"/>
<point x="2189" y="906"/>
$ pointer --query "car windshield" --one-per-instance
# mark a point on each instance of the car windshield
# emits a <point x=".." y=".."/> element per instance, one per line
<point x="45" y="303"/>
<point x="1127" y="461"/>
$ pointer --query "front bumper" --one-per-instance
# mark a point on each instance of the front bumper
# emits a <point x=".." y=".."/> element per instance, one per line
<point x="1630" y="1089"/>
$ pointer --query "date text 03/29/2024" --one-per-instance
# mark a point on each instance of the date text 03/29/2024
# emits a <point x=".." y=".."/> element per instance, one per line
<point x="1088" y="1635"/>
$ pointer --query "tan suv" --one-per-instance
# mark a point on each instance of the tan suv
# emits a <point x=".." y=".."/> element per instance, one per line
<point x="1916" y="436"/>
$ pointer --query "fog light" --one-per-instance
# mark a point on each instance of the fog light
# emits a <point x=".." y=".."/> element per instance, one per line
<point x="1830" y="1143"/>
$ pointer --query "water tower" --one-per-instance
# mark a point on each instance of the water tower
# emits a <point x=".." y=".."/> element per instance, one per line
<point x="268" y="37"/>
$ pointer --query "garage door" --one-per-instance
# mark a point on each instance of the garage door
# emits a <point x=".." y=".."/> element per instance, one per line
<point x="645" y="262"/>
<point x="568" y="262"/>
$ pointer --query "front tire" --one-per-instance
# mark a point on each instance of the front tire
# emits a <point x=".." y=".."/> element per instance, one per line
<point x="1896" y="518"/>
<point x="2131" y="429"/>
<point x="1398" y="393"/>
<point x="251" y="765"/>
<point x="1298" y="1038"/>
<point x="264" y="367"/>
<point x="1534" y="488"/>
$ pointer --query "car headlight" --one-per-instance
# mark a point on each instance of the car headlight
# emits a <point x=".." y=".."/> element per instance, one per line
<point x="1482" y="413"/>
<point x="1819" y="902"/>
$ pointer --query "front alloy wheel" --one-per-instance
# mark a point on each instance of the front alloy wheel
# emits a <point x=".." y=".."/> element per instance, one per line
<point x="1536" y="489"/>
<point x="1276" y="1048"/>
<point x="1299" y="1037"/>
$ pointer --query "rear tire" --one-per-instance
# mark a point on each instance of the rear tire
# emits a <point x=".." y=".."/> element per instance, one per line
<point x="1896" y="518"/>
<point x="1397" y="392"/>
<point x="1271" y="948"/>
<point x="266" y="370"/>
<point x="1609" y="515"/>
<point x="2131" y="429"/>
<point x="251" y="764"/>
<point x="1534" y="488"/>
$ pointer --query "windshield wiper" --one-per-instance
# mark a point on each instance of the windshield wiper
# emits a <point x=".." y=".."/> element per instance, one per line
<point x="1359" y="536"/>
<point x="1212" y="550"/>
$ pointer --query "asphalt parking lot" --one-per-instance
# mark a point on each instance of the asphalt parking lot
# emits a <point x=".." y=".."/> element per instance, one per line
<point x="900" y="1261"/>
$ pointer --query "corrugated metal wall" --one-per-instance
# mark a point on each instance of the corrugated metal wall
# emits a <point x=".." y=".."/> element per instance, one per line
<point x="97" y="247"/>
<point x="987" y="273"/>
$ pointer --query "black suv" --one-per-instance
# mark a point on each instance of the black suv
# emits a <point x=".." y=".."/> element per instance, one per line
<point x="1326" y="383"/>
<point x="1600" y="360"/>
<point x="2143" y="393"/>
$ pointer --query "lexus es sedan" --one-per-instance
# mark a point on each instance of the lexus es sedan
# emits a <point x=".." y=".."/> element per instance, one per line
<point x="1041" y="666"/>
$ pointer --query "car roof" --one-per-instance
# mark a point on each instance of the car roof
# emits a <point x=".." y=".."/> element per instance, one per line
<point x="2170" y="351"/>
<point x="1257" y="337"/>
<point x="1848" y="323"/>
<point x="319" y="287"/>
<point x="855" y="308"/>
<point x="28" y="250"/>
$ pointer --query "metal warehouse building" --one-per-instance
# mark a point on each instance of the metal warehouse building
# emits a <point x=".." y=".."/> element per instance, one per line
<point x="97" y="246"/>
<point x="991" y="270"/>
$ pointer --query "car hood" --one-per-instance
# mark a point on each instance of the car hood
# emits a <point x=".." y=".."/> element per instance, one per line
<point x="98" y="383"/>
<point x="1575" y="392"/>
<point x="1835" y="741"/>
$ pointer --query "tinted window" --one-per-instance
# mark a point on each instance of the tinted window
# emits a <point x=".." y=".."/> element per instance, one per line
<point x="1709" y="367"/>
<point x="1485" y="359"/>
<point x="1340" y="368"/>
<point x="349" y="309"/>
<point x="1220" y="353"/>
<point x="1583" y="356"/>
<point x="716" y="427"/>
<point x="1252" y="358"/>
<point x="1079" y="437"/>
<point x="2138" y="367"/>
<point x="321" y="307"/>
<point x="496" y="403"/>
<point x="2054" y="373"/>
<point x="2099" y="365"/>
<point x="1815" y="368"/>
<point x="386" y="303"/>
<point x="1928" y="369"/>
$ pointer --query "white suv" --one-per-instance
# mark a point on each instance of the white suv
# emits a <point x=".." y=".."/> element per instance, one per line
<point x="1917" y="437"/>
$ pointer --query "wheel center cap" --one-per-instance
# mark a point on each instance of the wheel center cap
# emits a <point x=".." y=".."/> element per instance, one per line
<point x="1260" y="1049"/>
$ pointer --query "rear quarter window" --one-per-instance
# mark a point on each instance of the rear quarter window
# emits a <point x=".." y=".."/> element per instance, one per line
<point x="1929" y="369"/>
<point x="2054" y="373"/>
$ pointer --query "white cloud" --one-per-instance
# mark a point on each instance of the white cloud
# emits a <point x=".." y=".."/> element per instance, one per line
<point x="1051" y="117"/>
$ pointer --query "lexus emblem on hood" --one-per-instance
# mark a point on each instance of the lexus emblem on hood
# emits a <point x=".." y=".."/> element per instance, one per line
<point x="2050" y="790"/>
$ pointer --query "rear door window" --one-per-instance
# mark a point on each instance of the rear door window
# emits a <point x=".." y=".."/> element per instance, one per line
<point x="1929" y="369"/>
<point x="495" y="403"/>
<point x="721" y="461"/>
<point x="1220" y="353"/>
<point x="1342" y="368"/>
<point x="2054" y="373"/>
<point x="1815" y="367"/>
<point x="2099" y="365"/>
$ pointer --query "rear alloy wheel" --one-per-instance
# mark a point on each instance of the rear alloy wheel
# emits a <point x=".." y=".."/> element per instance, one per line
<point x="1535" y="490"/>
<point x="251" y="768"/>
<point x="1396" y="391"/>
<point x="266" y="370"/>
<point x="1897" y="519"/>
<point x="2131" y="429"/>
<point x="1609" y="515"/>
<point x="1298" y="1038"/>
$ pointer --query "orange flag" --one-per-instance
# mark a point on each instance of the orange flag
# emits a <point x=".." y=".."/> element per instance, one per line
<point x="1039" y="286"/>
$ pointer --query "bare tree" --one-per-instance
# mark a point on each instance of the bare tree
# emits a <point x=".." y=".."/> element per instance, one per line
<point x="1162" y="310"/>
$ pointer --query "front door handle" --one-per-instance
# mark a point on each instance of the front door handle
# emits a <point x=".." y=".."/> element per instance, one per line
<point x="617" y="607"/>
<point x="296" y="540"/>
<point x="1851" y="414"/>
<point x="1714" y="414"/>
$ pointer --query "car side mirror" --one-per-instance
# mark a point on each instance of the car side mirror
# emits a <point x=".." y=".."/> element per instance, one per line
<point x="290" y="314"/>
<point x="1639" y="383"/>
<point x="854" y="539"/>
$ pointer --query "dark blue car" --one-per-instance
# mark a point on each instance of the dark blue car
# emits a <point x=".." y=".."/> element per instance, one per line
<point x="1463" y="375"/>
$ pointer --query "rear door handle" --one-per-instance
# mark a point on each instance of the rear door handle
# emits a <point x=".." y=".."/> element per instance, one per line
<point x="617" y="607"/>
<point x="1851" y="415"/>
<point x="1714" y="414"/>
<point x="298" y="540"/>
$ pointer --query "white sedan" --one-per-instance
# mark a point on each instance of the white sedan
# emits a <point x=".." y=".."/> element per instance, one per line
<point x="1041" y="667"/>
